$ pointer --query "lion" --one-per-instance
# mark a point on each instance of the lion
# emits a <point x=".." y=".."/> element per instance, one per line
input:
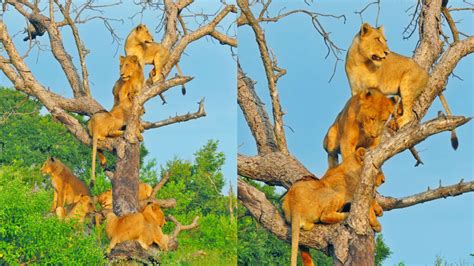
<point x="370" y="64"/>
<point x="144" y="227"/>
<point x="311" y="200"/>
<point x="359" y="124"/>
<point x="105" y="199"/>
<point x="111" y="124"/>
<point x="68" y="189"/>
<point x="131" y="80"/>
<point x="140" y="43"/>
<point x="78" y="210"/>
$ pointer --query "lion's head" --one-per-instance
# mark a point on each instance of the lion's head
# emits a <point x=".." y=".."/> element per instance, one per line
<point x="105" y="200"/>
<point x="153" y="212"/>
<point x="374" y="111"/>
<point x="372" y="44"/>
<point x="142" y="34"/>
<point x="51" y="165"/>
<point x="85" y="204"/>
<point x="129" y="66"/>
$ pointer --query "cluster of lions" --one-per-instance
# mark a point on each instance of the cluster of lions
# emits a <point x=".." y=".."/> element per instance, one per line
<point x="73" y="200"/>
<point x="140" y="50"/>
<point x="374" y="72"/>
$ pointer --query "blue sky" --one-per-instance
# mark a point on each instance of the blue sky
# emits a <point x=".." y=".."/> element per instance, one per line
<point x="418" y="234"/>
<point x="211" y="65"/>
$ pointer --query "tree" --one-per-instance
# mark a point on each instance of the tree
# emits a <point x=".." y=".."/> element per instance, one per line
<point x="51" y="18"/>
<point x="352" y="241"/>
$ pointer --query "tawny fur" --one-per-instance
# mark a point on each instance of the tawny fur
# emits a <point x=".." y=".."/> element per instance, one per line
<point x="370" y="64"/>
<point x="78" y="210"/>
<point x="67" y="187"/>
<point x="111" y="124"/>
<point x="359" y="124"/>
<point x="140" y="43"/>
<point x="105" y="198"/>
<point x="311" y="200"/>
<point x="144" y="227"/>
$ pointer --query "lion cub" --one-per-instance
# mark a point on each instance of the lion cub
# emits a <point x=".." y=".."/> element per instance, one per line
<point x="78" y="210"/>
<point x="144" y="227"/>
<point x="140" y="43"/>
<point x="310" y="200"/>
<point x="111" y="124"/>
<point x="105" y="199"/>
<point x="359" y="124"/>
<point x="68" y="189"/>
<point x="370" y="64"/>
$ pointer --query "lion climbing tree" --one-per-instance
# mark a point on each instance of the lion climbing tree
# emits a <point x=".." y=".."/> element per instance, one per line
<point x="350" y="242"/>
<point x="46" y="25"/>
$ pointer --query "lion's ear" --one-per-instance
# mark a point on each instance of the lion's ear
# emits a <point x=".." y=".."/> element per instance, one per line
<point x="139" y="27"/>
<point x="381" y="30"/>
<point x="52" y="159"/>
<point x="360" y="153"/>
<point x="366" y="28"/>
<point x="121" y="58"/>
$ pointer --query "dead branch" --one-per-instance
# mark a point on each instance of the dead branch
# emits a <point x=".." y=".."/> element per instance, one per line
<point x="173" y="243"/>
<point x="269" y="71"/>
<point x="390" y="203"/>
<point x="177" y="119"/>
<point x="160" y="184"/>
<point x="255" y="114"/>
<point x="452" y="25"/>
<point x="164" y="203"/>
<point x="274" y="168"/>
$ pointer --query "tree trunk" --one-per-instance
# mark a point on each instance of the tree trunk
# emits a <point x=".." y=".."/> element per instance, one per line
<point x="361" y="251"/>
<point x="125" y="181"/>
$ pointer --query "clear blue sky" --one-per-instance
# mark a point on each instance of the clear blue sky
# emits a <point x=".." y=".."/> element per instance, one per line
<point x="418" y="234"/>
<point x="211" y="65"/>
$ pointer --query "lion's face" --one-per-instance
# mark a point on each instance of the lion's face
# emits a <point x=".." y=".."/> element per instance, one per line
<point x="85" y="204"/>
<point x="373" y="44"/>
<point x="105" y="200"/>
<point x="375" y="110"/>
<point x="129" y="65"/>
<point x="143" y="34"/>
<point x="48" y="166"/>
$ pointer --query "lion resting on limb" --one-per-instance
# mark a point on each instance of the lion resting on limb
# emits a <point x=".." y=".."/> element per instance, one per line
<point x="68" y="189"/>
<point x="370" y="64"/>
<point x="105" y="199"/>
<point x="111" y="124"/>
<point x="359" y="124"/>
<point x="310" y="200"/>
<point x="141" y="44"/>
<point x="144" y="227"/>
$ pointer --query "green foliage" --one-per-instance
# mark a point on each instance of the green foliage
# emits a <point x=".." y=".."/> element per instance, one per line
<point x="382" y="251"/>
<point x="27" y="236"/>
<point x="197" y="186"/>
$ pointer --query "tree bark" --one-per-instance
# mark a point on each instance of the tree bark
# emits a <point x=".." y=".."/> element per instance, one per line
<point x="125" y="181"/>
<point x="361" y="251"/>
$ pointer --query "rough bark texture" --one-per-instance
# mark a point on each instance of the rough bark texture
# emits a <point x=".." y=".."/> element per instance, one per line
<point x="125" y="181"/>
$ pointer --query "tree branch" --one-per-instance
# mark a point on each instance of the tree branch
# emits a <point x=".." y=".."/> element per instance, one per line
<point x="173" y="243"/>
<point x="390" y="203"/>
<point x="177" y="119"/>
<point x="269" y="71"/>
<point x="160" y="184"/>
<point x="274" y="168"/>
<point x="255" y="114"/>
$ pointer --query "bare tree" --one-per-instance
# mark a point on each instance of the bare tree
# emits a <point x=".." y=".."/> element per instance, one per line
<point x="350" y="242"/>
<point x="53" y="15"/>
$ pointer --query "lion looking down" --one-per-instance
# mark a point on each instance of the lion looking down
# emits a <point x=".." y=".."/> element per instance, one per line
<point x="370" y="64"/>
<point x="359" y="124"/>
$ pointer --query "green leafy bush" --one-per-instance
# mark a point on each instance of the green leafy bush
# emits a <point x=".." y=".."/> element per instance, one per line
<point x="28" y="236"/>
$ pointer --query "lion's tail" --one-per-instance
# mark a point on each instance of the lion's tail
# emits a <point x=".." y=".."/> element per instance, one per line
<point x="94" y="153"/>
<point x="454" y="137"/>
<point x="295" y="234"/>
